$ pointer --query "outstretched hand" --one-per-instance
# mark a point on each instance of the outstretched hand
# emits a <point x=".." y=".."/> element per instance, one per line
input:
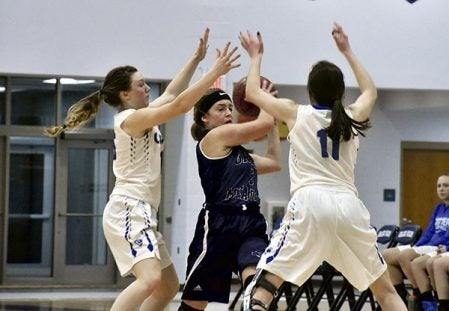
<point x="341" y="39"/>
<point x="268" y="87"/>
<point x="201" y="51"/>
<point x="253" y="45"/>
<point x="225" y="59"/>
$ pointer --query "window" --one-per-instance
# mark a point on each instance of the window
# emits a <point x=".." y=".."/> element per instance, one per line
<point x="2" y="100"/>
<point x="33" y="102"/>
<point x="71" y="93"/>
<point x="30" y="220"/>
<point x="87" y="189"/>
<point x="44" y="227"/>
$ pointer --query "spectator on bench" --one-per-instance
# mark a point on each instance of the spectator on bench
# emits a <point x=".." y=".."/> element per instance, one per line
<point x="434" y="238"/>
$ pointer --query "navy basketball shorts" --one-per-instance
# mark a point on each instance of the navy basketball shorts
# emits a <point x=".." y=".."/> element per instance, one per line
<point x="224" y="242"/>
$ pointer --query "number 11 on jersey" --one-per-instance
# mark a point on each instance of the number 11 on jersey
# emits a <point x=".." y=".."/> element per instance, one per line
<point x="322" y="135"/>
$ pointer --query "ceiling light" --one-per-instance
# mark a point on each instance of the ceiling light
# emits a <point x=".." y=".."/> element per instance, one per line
<point x="69" y="81"/>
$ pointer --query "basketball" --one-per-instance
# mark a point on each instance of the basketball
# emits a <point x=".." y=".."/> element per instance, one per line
<point x="238" y="97"/>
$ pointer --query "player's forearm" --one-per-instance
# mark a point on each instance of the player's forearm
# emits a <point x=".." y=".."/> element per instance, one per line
<point x="274" y="145"/>
<point x="253" y="80"/>
<point x="366" y="84"/>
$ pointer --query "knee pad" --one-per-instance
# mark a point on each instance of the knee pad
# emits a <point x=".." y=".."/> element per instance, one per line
<point x="258" y="280"/>
<point x="186" y="307"/>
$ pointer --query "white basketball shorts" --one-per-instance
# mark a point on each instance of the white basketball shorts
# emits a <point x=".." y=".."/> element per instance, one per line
<point x="130" y="228"/>
<point x="323" y="224"/>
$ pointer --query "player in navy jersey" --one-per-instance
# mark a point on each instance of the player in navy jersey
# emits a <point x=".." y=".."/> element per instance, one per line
<point x="130" y="216"/>
<point x="325" y="219"/>
<point x="230" y="234"/>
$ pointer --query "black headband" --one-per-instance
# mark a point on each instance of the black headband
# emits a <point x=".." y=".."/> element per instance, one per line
<point x="208" y="101"/>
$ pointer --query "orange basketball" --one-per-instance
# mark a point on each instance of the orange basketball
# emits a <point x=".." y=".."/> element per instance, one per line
<point x="238" y="97"/>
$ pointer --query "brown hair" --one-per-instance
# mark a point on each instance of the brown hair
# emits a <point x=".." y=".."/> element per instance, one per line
<point x="212" y="95"/>
<point x="81" y="112"/>
<point x="326" y="87"/>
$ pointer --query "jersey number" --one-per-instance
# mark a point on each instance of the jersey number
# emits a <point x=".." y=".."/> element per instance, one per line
<point x="322" y="135"/>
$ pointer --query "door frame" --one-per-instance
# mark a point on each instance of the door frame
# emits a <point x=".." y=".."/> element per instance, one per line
<point x="414" y="145"/>
<point x="46" y="215"/>
<point x="3" y="204"/>
<point x="78" y="274"/>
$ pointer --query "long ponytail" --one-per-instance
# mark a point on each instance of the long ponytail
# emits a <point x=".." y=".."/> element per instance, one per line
<point x="117" y="80"/>
<point x="78" y="114"/>
<point x="343" y="126"/>
<point x="326" y="87"/>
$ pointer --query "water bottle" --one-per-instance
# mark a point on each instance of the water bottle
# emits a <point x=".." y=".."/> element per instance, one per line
<point x="412" y="304"/>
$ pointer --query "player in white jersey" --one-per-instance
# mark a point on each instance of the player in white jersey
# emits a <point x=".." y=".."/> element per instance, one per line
<point x="130" y="216"/>
<point x="325" y="219"/>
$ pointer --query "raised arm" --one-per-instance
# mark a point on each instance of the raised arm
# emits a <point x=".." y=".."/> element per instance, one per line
<point x="182" y="79"/>
<point x="143" y="119"/>
<point x="282" y="109"/>
<point x="271" y="162"/>
<point x="364" y="104"/>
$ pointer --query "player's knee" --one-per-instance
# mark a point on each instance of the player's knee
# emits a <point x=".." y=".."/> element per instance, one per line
<point x="389" y="255"/>
<point x="439" y="266"/>
<point x="405" y="257"/>
<point x="151" y="282"/>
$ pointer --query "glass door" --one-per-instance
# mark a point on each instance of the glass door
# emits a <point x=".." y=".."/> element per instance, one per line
<point x="86" y="181"/>
<point x="30" y="213"/>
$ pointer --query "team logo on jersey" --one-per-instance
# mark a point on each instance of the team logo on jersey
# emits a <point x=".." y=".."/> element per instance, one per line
<point x="242" y="158"/>
<point x="158" y="139"/>
<point x="197" y="289"/>
<point x="243" y="193"/>
<point x="139" y="242"/>
<point x="257" y="254"/>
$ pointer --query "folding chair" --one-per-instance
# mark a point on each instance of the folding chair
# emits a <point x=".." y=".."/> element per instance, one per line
<point x="408" y="234"/>
<point x="327" y="272"/>
<point x="391" y="236"/>
<point x="385" y="236"/>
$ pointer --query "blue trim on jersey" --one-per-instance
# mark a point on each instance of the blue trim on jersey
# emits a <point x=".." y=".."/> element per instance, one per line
<point x="278" y="249"/>
<point x="319" y="107"/>
<point x="148" y="225"/>
<point x="280" y="245"/>
<point x="128" y="229"/>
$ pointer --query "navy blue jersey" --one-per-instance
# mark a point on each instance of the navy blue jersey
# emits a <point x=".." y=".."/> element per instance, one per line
<point x="230" y="180"/>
